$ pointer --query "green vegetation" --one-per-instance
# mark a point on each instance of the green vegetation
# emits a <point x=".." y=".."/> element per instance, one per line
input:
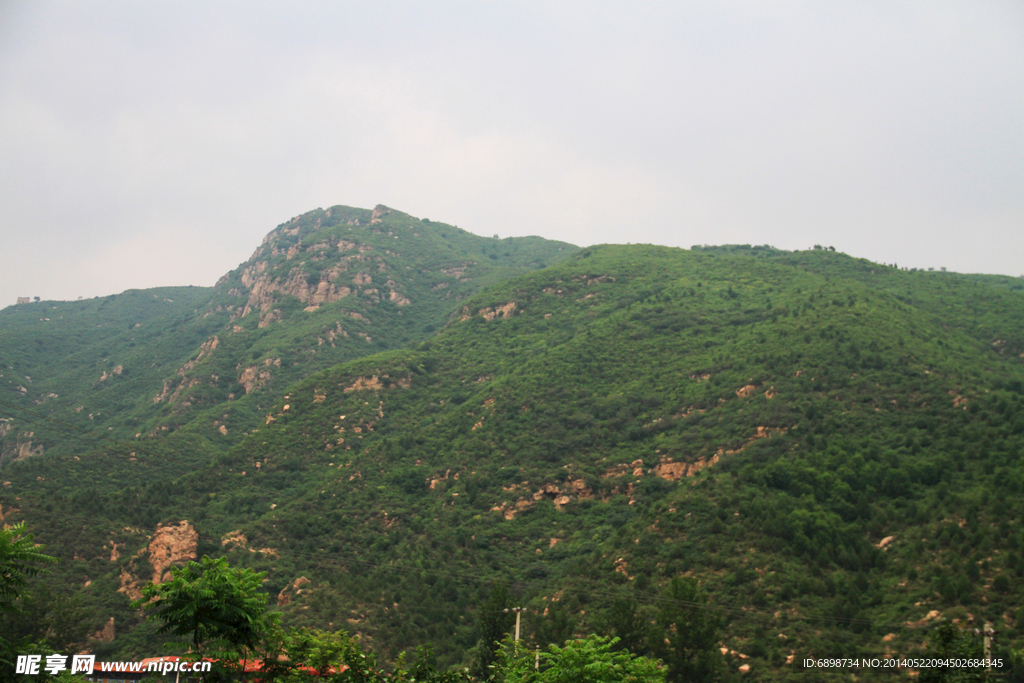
<point x="778" y="454"/>
<point x="20" y="558"/>
<point x="218" y="611"/>
<point x="592" y="659"/>
<point x="204" y="363"/>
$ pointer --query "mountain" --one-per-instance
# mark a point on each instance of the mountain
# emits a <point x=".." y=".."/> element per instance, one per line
<point x="325" y="287"/>
<point x="832" y="447"/>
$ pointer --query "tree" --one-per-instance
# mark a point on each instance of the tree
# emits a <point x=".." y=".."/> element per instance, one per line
<point x="592" y="659"/>
<point x="19" y="559"/>
<point x="947" y="641"/>
<point x="495" y="623"/>
<point x="326" y="654"/>
<point x="691" y="651"/>
<point x="50" y="617"/>
<point x="625" y="623"/>
<point x="555" y="627"/>
<point x="219" y="610"/>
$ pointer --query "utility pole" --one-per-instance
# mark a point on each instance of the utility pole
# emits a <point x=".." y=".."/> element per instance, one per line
<point x="518" y="611"/>
<point x="988" y="645"/>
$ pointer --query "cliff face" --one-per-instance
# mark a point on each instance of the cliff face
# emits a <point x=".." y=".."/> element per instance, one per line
<point x="170" y="545"/>
<point x="313" y="288"/>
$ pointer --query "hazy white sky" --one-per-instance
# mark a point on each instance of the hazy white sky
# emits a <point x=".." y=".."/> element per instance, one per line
<point x="146" y="144"/>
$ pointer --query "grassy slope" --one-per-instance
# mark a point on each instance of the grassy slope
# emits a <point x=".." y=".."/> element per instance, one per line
<point x="847" y="402"/>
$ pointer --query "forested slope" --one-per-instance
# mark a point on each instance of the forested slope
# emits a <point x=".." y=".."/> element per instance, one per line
<point x="327" y="286"/>
<point x="832" y="447"/>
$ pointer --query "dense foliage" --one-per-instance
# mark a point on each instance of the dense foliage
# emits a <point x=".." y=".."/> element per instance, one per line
<point x="325" y="287"/>
<point x="213" y="608"/>
<point x="20" y="558"/>
<point x="827" y="449"/>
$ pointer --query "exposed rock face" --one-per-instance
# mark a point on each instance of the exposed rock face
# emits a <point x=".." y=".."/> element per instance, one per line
<point x="234" y="539"/>
<point x="264" y="286"/>
<point x="105" y="634"/>
<point x="399" y="299"/>
<point x="171" y="395"/>
<point x="116" y="371"/>
<point x="379" y="212"/>
<point x="171" y="545"/>
<point x="746" y="391"/>
<point x="923" y="621"/>
<point x="377" y="383"/>
<point x="365" y="383"/>
<point x="254" y="377"/>
<point x="237" y="540"/>
<point x="10" y="510"/>
<point x="674" y="471"/>
<point x="21" y="449"/>
<point x="129" y="585"/>
<point x="503" y="311"/>
<point x="559" y="496"/>
<point x="208" y="347"/>
<point x="164" y="393"/>
<point x="288" y="592"/>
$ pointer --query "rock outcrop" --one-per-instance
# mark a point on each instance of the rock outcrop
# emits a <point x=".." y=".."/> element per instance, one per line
<point x="105" y="634"/>
<point x="22" y="448"/>
<point x="491" y="312"/>
<point x="116" y="371"/>
<point x="130" y="585"/>
<point x="171" y="545"/>
<point x="289" y="592"/>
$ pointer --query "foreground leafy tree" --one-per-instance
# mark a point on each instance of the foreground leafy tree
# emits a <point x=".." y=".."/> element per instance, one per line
<point x="299" y="653"/>
<point x="20" y="558"/>
<point x="592" y="659"/>
<point x="691" y="651"/>
<point x="947" y="641"/>
<point x="220" y="611"/>
<point x="321" y="651"/>
<point x="296" y="655"/>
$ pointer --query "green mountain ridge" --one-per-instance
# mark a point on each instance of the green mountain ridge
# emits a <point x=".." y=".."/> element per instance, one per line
<point x="831" y="446"/>
<point x="324" y="287"/>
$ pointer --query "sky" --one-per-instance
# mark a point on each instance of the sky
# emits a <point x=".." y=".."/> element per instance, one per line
<point x="156" y="143"/>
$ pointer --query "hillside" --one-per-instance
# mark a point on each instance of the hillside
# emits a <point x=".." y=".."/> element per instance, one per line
<point x="831" y="446"/>
<point x="325" y="287"/>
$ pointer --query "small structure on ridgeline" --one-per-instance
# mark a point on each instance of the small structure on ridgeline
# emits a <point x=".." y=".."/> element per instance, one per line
<point x="24" y="299"/>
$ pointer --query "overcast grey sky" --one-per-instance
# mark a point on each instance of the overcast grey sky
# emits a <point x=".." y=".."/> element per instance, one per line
<point x="152" y="143"/>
